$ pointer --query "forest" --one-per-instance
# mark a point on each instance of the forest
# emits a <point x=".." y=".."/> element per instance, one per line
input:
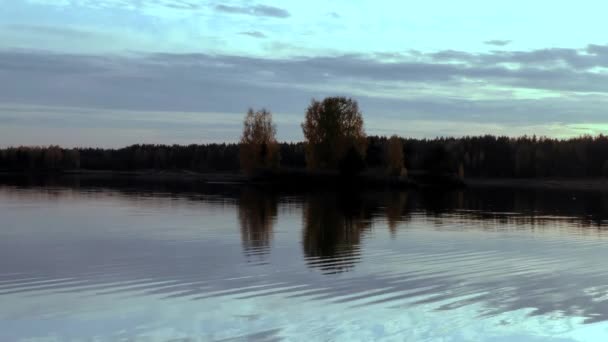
<point x="482" y="156"/>
<point x="335" y="141"/>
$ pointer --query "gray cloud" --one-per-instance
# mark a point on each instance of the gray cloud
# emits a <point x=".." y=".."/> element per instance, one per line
<point x="334" y="15"/>
<point x="254" y="34"/>
<point x="497" y="42"/>
<point x="182" y="5"/>
<point x="129" y="4"/>
<point x="535" y="69"/>
<point x="580" y="59"/>
<point x="414" y="86"/>
<point x="258" y="10"/>
<point x="14" y="62"/>
<point x="59" y="31"/>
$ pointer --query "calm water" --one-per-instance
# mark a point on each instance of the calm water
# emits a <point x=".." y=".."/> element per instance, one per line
<point x="110" y="261"/>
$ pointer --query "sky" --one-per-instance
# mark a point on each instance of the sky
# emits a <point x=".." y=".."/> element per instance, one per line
<point x="116" y="72"/>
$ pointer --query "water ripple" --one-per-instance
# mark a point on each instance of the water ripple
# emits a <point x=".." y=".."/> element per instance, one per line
<point x="260" y="264"/>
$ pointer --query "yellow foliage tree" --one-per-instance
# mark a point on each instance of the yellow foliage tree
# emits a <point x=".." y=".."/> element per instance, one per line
<point x="258" y="148"/>
<point x="332" y="128"/>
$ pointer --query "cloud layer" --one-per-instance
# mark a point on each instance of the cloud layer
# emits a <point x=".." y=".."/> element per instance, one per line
<point x="412" y="74"/>
<point x="493" y="91"/>
<point x="207" y="82"/>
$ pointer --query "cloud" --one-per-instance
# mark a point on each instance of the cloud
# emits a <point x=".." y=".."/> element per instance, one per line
<point x="334" y="15"/>
<point x="539" y="69"/>
<point x="258" y="10"/>
<point x="52" y="64"/>
<point x="127" y="4"/>
<point x="497" y="42"/>
<point x="59" y="31"/>
<point x="584" y="59"/>
<point x="472" y="90"/>
<point x="254" y="34"/>
<point x="182" y="5"/>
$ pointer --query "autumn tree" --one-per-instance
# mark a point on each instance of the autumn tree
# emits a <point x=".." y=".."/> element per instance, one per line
<point x="395" y="156"/>
<point x="333" y="129"/>
<point x="258" y="148"/>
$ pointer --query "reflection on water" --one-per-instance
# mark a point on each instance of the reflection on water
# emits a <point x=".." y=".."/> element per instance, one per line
<point x="332" y="229"/>
<point x="396" y="210"/>
<point x="257" y="216"/>
<point x="84" y="259"/>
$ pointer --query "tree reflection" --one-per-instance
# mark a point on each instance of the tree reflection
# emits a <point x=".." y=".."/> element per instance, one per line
<point x="257" y="216"/>
<point x="333" y="227"/>
<point x="396" y="204"/>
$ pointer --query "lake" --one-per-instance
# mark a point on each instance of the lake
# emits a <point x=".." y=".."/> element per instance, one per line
<point x="113" y="260"/>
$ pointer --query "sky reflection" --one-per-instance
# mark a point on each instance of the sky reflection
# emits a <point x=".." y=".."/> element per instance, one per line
<point x="209" y="264"/>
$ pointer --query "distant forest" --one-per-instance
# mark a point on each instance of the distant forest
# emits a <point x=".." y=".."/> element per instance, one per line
<point x="483" y="156"/>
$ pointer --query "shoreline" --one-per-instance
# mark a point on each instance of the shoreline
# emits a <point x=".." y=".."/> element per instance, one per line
<point x="280" y="179"/>
<point x="571" y="184"/>
<point x="143" y="174"/>
<point x="287" y="178"/>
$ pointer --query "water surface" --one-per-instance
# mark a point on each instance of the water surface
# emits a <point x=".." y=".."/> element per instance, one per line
<point x="85" y="260"/>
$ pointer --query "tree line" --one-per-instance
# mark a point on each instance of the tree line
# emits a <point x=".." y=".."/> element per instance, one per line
<point x="335" y="139"/>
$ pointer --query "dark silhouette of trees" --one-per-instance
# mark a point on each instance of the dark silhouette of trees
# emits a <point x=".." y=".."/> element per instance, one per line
<point x="375" y="157"/>
<point x="333" y="129"/>
<point x="259" y="148"/>
<point x="395" y="156"/>
<point x="51" y="158"/>
<point x="293" y="155"/>
<point x="475" y="157"/>
<point x="352" y="163"/>
<point x="437" y="160"/>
